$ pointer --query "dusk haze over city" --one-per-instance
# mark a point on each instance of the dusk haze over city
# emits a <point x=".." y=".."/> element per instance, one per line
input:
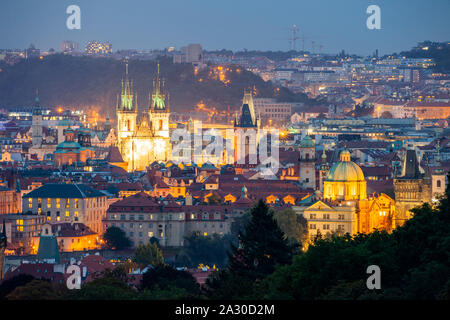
<point x="225" y="159"/>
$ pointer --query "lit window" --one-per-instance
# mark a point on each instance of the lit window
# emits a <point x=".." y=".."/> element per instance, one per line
<point x="150" y="234"/>
<point x="67" y="213"/>
<point x="76" y="204"/>
<point x="49" y="203"/>
<point x="58" y="202"/>
<point x="30" y="203"/>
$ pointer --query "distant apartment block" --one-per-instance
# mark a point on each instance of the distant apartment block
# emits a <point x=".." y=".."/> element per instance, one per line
<point x="32" y="51"/>
<point x="67" y="203"/>
<point x="272" y="112"/>
<point x="69" y="47"/>
<point x="98" y="48"/>
<point x="193" y="54"/>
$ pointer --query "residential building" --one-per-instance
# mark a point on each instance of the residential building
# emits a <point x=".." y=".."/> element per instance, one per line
<point x="68" y="203"/>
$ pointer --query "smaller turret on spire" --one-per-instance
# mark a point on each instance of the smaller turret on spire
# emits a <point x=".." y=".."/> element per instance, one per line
<point x="158" y="97"/>
<point x="37" y="108"/>
<point x="126" y="101"/>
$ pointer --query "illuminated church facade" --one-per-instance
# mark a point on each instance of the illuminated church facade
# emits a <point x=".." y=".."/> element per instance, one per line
<point x="344" y="206"/>
<point x="143" y="139"/>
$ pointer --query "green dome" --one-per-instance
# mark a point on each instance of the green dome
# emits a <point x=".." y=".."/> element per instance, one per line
<point x="307" y="142"/>
<point x="68" y="145"/>
<point x="345" y="170"/>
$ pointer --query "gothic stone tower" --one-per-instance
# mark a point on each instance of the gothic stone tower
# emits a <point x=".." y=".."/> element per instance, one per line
<point x="158" y="114"/>
<point x="323" y="170"/>
<point x="412" y="188"/>
<point x="246" y="131"/>
<point x="36" y="126"/>
<point x="307" y="168"/>
<point x="126" y="114"/>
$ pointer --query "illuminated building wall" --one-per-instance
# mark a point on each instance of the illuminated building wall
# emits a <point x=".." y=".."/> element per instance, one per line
<point x="345" y="207"/>
<point x="97" y="47"/>
<point x="140" y="144"/>
<point x="65" y="203"/>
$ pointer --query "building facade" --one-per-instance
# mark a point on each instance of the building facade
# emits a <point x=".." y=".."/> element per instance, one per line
<point x="68" y="203"/>
<point x="143" y="217"/>
<point x="147" y="140"/>
<point x="344" y="206"/>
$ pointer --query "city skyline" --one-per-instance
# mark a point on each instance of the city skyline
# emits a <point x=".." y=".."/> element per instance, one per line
<point x="251" y="25"/>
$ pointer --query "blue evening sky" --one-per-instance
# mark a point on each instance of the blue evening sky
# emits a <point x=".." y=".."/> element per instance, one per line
<point x="231" y="24"/>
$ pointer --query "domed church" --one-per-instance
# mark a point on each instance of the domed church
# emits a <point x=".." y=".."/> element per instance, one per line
<point x="345" y="206"/>
<point x="345" y="180"/>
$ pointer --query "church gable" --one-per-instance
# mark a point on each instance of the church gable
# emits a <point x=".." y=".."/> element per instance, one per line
<point x="319" y="205"/>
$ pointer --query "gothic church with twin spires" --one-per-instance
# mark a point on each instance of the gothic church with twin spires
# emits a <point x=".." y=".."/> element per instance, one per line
<point x="143" y="139"/>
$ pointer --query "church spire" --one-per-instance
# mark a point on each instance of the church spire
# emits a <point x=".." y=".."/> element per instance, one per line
<point x="248" y="117"/>
<point x="37" y="108"/>
<point x="158" y="97"/>
<point x="126" y="102"/>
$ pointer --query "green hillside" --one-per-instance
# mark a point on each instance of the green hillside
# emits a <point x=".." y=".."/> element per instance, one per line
<point x="75" y="82"/>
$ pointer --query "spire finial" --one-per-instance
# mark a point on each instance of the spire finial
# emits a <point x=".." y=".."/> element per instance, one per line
<point x="37" y="97"/>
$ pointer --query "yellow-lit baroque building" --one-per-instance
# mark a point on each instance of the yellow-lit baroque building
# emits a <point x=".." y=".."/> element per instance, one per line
<point x="344" y="206"/>
<point x="143" y="141"/>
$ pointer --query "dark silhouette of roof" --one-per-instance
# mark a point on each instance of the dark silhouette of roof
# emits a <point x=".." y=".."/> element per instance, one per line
<point x="114" y="155"/>
<point x="411" y="166"/>
<point x="61" y="190"/>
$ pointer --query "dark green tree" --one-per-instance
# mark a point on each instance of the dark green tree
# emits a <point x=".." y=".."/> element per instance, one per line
<point x="208" y="250"/>
<point x="414" y="261"/>
<point x="34" y="290"/>
<point x="262" y="246"/>
<point x="8" y="285"/>
<point x="165" y="277"/>
<point x="294" y="226"/>
<point x="115" y="238"/>
<point x="106" y="288"/>
<point x="148" y="254"/>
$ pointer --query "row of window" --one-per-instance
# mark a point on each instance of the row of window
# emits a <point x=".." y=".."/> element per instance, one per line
<point x="90" y="202"/>
<point x="57" y="203"/>
<point x="326" y="216"/>
<point x="326" y="227"/>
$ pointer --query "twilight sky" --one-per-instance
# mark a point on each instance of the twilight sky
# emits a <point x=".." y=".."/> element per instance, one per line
<point x="229" y="24"/>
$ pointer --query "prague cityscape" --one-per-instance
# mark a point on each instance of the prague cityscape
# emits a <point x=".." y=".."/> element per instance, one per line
<point x="180" y="163"/>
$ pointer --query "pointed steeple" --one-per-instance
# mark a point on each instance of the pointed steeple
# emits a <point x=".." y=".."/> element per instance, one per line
<point x="126" y="102"/>
<point x="158" y="97"/>
<point x="438" y="170"/>
<point x="410" y="166"/>
<point x="248" y="116"/>
<point x="37" y="108"/>
<point x="324" y="166"/>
